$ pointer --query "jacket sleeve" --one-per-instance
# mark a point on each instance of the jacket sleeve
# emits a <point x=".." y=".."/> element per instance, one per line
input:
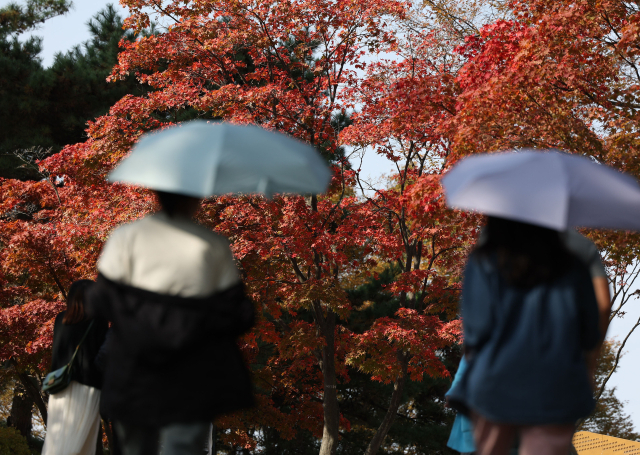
<point x="235" y="303"/>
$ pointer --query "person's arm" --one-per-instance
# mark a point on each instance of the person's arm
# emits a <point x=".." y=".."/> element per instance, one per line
<point x="588" y="253"/>
<point x="56" y="341"/>
<point x="603" y="298"/>
<point x="100" y="360"/>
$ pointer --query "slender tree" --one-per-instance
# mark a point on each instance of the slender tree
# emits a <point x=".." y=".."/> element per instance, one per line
<point x="609" y="416"/>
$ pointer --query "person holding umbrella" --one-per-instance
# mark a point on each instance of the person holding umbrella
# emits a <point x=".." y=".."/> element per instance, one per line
<point x="461" y="437"/>
<point x="173" y="294"/>
<point x="171" y="289"/>
<point x="532" y="322"/>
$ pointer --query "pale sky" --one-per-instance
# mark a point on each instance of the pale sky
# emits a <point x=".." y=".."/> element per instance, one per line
<point x="62" y="33"/>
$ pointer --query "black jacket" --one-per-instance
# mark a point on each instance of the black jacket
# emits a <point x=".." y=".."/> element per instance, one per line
<point x="172" y="359"/>
<point x="66" y="338"/>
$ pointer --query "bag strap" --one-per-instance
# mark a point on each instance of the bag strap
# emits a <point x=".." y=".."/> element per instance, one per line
<point x="73" y="357"/>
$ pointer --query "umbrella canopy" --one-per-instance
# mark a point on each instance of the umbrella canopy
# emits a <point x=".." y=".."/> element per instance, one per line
<point x="202" y="159"/>
<point x="547" y="188"/>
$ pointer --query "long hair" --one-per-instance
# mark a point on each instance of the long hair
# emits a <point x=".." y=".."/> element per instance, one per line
<point x="527" y="255"/>
<point x="75" y="302"/>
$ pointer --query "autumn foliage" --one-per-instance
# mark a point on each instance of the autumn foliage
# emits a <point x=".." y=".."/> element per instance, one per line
<point x="350" y="77"/>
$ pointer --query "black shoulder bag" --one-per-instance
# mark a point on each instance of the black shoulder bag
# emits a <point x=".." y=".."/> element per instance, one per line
<point x="59" y="379"/>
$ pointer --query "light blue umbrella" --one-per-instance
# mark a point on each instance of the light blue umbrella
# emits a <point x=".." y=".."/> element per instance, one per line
<point x="201" y="159"/>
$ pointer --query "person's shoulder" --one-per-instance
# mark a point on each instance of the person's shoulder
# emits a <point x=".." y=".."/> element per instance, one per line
<point x="202" y="231"/>
<point x="576" y="242"/>
<point x="577" y="270"/>
<point x="160" y="222"/>
<point x="126" y="230"/>
<point x="219" y="245"/>
<point x="215" y="238"/>
<point x="585" y="250"/>
<point x="580" y="246"/>
<point x="100" y="322"/>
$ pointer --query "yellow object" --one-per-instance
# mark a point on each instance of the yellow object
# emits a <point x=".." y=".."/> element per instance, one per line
<point x="587" y="443"/>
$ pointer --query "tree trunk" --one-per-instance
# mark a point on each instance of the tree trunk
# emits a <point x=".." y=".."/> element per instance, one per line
<point x="326" y="328"/>
<point x="330" y="402"/>
<point x="32" y="389"/>
<point x="21" y="408"/>
<point x="392" y="411"/>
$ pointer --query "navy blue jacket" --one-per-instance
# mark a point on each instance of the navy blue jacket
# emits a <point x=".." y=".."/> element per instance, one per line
<point x="526" y="347"/>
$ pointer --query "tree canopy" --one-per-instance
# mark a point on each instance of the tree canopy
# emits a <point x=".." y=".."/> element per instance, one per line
<point x="16" y="18"/>
<point x="358" y="331"/>
<point x="50" y="107"/>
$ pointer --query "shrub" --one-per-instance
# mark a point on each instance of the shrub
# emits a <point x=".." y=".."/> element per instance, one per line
<point x="12" y="442"/>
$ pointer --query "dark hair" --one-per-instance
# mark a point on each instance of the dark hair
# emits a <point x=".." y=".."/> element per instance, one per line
<point x="172" y="202"/>
<point x="75" y="302"/>
<point x="527" y="255"/>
